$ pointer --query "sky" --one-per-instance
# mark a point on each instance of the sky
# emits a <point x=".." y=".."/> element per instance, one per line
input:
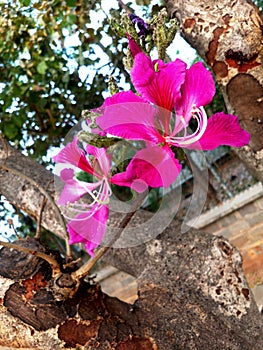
<point x="178" y="49"/>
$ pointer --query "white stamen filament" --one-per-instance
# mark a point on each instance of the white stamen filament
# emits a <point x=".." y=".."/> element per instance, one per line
<point x="201" y="117"/>
<point x="100" y="196"/>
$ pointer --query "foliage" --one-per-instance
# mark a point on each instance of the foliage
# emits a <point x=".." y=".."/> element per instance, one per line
<point x="42" y="91"/>
<point x="55" y="60"/>
<point x="259" y="3"/>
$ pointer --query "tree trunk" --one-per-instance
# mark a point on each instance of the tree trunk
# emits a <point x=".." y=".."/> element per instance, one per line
<point x="228" y="36"/>
<point x="192" y="291"/>
<point x="192" y="295"/>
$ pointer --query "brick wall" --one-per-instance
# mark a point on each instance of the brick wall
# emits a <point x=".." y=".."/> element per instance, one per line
<point x="240" y="219"/>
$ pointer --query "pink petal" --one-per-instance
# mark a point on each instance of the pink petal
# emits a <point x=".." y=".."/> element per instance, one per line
<point x="102" y="165"/>
<point x="74" y="237"/>
<point x="135" y="49"/>
<point x="73" y="190"/>
<point x="222" y="129"/>
<point x="121" y="97"/>
<point x="72" y="154"/>
<point x="133" y="121"/>
<point x="90" y="246"/>
<point x="198" y="89"/>
<point x="89" y="229"/>
<point x="67" y="174"/>
<point x="158" y="82"/>
<point x="154" y="166"/>
<point x="138" y="185"/>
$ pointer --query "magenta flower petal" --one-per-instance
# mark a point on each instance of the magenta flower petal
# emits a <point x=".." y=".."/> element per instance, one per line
<point x="133" y="121"/>
<point x="154" y="166"/>
<point x="135" y="49"/>
<point x="73" y="190"/>
<point x="89" y="229"/>
<point x="122" y="97"/>
<point x="75" y="237"/>
<point x="72" y="154"/>
<point x="139" y="185"/>
<point x="102" y="164"/>
<point x="198" y="90"/>
<point x="222" y="129"/>
<point x="90" y="246"/>
<point x="158" y="82"/>
<point x="66" y="174"/>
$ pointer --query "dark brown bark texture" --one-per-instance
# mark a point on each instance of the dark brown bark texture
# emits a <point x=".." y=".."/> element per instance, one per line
<point x="228" y="36"/>
<point x="192" y="295"/>
<point x="192" y="291"/>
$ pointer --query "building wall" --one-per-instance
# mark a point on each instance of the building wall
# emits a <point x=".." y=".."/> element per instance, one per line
<point x="243" y="226"/>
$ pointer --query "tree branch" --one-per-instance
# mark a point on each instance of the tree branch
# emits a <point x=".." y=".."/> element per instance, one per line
<point x="22" y="181"/>
<point x="192" y="291"/>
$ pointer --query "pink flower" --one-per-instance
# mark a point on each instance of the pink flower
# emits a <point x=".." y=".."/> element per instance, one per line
<point x="172" y="98"/>
<point x="89" y="224"/>
<point x="171" y="87"/>
<point x="89" y="227"/>
<point x="152" y="166"/>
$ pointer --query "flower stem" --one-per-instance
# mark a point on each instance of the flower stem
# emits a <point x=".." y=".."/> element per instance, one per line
<point x="85" y="268"/>
<point x="50" y="259"/>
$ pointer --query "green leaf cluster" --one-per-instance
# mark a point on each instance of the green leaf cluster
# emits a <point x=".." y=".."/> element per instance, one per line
<point x="44" y="46"/>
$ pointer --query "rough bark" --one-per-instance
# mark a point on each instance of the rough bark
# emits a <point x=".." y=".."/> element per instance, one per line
<point x="191" y="296"/>
<point x="192" y="291"/>
<point x="228" y="36"/>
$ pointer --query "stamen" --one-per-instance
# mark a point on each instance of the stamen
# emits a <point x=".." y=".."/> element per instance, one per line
<point x="182" y="120"/>
<point x="100" y="196"/>
<point x="201" y="118"/>
<point x="92" y="212"/>
<point x="180" y="124"/>
<point x="155" y="67"/>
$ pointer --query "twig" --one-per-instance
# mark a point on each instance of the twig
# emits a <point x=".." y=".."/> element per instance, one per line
<point x="47" y="195"/>
<point x="11" y="224"/>
<point x="85" y="268"/>
<point x="5" y="147"/>
<point x="123" y="6"/>
<point x="44" y="202"/>
<point x="53" y="262"/>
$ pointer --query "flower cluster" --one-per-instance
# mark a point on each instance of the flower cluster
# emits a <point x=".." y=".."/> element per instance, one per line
<point x="170" y="100"/>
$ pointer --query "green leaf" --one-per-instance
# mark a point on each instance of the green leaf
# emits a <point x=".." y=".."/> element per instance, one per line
<point x="71" y="3"/>
<point x="10" y="130"/>
<point x="19" y="120"/>
<point x="83" y="176"/>
<point x="25" y="2"/>
<point x="42" y="67"/>
<point x="71" y="19"/>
